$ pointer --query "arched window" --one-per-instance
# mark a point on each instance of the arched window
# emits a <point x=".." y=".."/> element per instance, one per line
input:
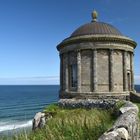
<point x="73" y="75"/>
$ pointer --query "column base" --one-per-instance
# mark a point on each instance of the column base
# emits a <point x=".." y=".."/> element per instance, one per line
<point x="95" y="95"/>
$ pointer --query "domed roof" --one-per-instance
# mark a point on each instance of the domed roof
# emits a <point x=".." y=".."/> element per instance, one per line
<point x="96" y="28"/>
<point x="96" y="32"/>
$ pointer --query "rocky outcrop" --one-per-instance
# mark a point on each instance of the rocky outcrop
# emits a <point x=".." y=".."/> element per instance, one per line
<point x="87" y="103"/>
<point x="41" y="119"/>
<point x="126" y="126"/>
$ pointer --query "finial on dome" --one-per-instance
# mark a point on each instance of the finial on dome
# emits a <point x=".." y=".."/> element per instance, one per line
<point x="94" y="15"/>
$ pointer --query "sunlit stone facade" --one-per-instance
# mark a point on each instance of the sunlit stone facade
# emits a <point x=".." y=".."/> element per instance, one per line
<point x="96" y="61"/>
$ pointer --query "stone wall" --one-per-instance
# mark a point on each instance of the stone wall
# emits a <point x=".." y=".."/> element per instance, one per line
<point x="118" y="70"/>
<point x="87" y="103"/>
<point x="126" y="126"/>
<point x="86" y="71"/>
<point x="103" y="70"/>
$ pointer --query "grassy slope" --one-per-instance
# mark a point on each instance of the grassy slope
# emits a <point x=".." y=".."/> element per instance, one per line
<point x="73" y="124"/>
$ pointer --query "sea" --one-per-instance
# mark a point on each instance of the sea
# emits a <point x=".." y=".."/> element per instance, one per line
<point x="19" y="104"/>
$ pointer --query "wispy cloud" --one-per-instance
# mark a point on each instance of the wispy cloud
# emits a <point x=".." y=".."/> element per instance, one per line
<point x="42" y="80"/>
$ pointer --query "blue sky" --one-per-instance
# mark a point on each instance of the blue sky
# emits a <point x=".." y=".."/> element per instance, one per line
<point x="31" y="29"/>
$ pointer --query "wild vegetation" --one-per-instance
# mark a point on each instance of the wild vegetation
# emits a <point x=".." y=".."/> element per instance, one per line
<point x="73" y="124"/>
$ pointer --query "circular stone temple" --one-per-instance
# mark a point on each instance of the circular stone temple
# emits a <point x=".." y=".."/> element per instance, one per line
<point x="96" y="62"/>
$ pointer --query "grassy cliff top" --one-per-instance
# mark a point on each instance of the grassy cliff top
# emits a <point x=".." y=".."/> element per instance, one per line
<point x="73" y="124"/>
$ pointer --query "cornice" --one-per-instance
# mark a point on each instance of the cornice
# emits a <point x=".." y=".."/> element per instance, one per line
<point x="97" y="38"/>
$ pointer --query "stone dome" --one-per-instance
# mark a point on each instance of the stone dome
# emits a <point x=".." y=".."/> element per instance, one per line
<point x="96" y="27"/>
<point x="96" y="31"/>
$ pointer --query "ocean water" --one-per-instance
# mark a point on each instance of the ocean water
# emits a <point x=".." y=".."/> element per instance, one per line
<point x="18" y="105"/>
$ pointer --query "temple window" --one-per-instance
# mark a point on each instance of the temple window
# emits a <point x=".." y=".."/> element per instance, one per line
<point x="73" y="75"/>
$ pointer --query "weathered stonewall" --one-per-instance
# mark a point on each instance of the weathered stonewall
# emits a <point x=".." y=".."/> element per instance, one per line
<point x="129" y="106"/>
<point x="126" y="126"/>
<point x="117" y="134"/>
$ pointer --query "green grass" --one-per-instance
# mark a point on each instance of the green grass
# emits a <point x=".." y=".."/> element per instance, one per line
<point x="73" y="124"/>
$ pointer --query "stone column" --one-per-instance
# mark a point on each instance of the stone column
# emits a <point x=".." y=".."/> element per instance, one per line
<point x="66" y="73"/>
<point x="125" y="86"/>
<point x="61" y="72"/>
<point x="132" y="71"/>
<point x="95" y="86"/>
<point x="111" y="76"/>
<point x="78" y="71"/>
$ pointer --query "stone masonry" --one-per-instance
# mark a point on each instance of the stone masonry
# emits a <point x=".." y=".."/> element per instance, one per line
<point x="96" y="61"/>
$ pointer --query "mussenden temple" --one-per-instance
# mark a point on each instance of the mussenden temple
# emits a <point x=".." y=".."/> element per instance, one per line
<point x="96" y="71"/>
<point x="96" y="62"/>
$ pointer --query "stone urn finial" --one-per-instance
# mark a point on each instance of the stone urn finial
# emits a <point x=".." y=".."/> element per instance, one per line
<point x="94" y="15"/>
